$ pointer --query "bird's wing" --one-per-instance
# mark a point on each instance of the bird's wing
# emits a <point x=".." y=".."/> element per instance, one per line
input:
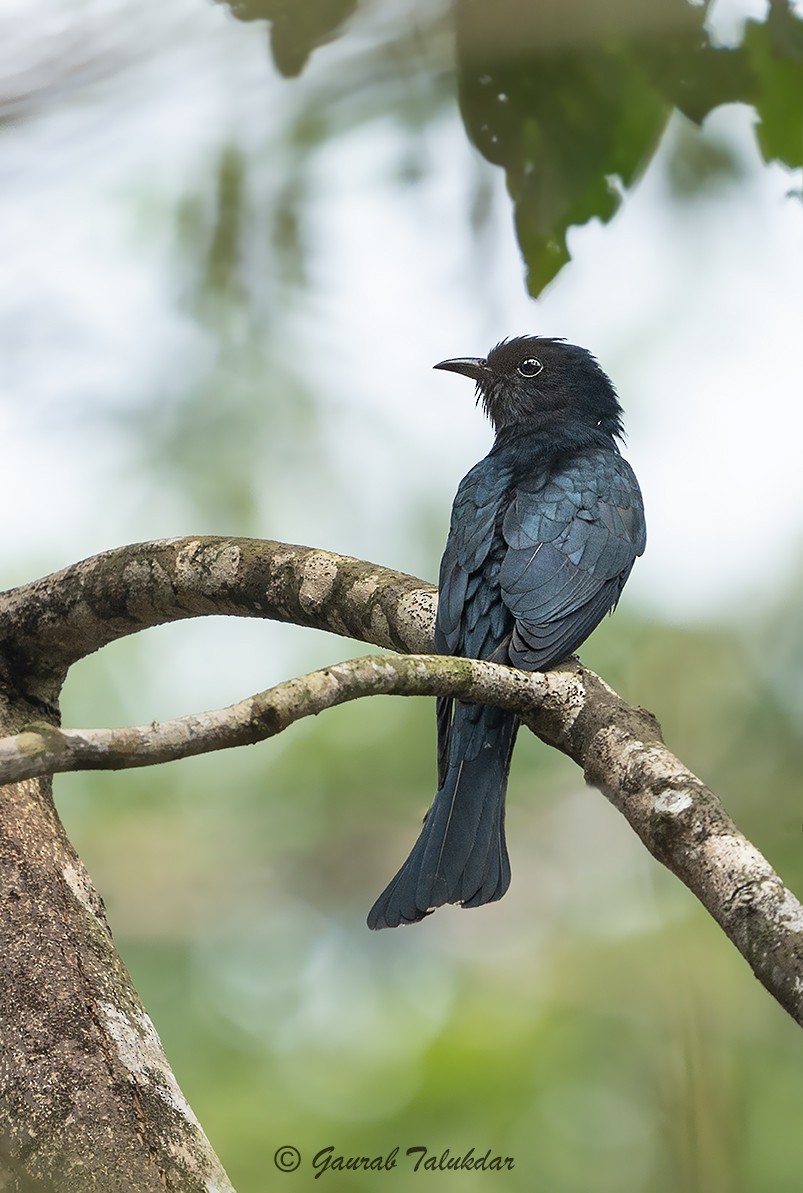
<point x="472" y="620"/>
<point x="571" y="539"/>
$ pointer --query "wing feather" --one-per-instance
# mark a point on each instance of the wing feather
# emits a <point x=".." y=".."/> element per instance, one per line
<point x="571" y="543"/>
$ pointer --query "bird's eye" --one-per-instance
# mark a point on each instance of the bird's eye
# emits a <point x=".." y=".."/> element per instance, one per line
<point x="530" y="367"/>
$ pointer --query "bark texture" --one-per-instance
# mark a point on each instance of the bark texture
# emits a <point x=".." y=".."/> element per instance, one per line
<point x="87" y="1098"/>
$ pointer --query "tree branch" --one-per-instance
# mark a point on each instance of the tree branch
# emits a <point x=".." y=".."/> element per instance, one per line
<point x="48" y="625"/>
<point x="43" y="749"/>
<point x="620" y="749"/>
<point x="69" y="991"/>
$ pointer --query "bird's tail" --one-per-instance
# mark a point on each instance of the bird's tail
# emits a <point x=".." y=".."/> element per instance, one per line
<point x="461" y="855"/>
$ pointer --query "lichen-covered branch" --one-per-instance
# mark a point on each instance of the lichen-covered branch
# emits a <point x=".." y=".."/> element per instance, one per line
<point x="43" y="749"/>
<point x="76" y="1047"/>
<point x="48" y="625"/>
<point x="620" y="749"/>
<point x="683" y="825"/>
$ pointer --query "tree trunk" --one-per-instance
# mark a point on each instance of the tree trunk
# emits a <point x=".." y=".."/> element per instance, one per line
<point x="87" y="1098"/>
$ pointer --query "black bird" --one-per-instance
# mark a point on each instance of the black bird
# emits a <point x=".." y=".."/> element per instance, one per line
<point x="544" y="534"/>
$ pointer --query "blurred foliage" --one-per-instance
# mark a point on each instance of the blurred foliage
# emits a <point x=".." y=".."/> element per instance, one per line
<point x="572" y="98"/>
<point x="242" y="264"/>
<point x="297" y="28"/>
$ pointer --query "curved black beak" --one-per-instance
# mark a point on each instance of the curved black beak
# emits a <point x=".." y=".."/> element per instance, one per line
<point x="470" y="366"/>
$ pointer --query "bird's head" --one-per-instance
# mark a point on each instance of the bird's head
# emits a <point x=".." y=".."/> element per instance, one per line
<point x="533" y="381"/>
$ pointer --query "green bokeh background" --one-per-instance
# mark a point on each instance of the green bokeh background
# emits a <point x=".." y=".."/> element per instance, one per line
<point x="596" y="1026"/>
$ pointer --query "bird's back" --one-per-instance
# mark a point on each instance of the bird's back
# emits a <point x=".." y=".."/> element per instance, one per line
<point x="543" y="536"/>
